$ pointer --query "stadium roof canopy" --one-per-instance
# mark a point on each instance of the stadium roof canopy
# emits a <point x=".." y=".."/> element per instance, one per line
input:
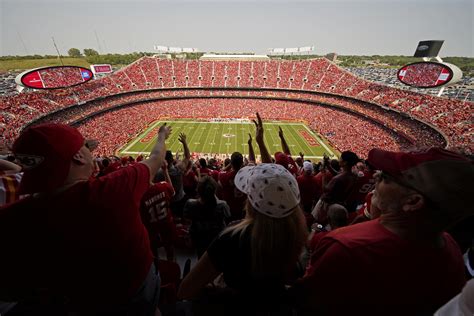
<point x="233" y="57"/>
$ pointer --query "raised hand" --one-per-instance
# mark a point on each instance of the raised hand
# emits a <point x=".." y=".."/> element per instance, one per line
<point x="164" y="130"/>
<point x="250" y="139"/>
<point x="258" y="129"/>
<point x="182" y="138"/>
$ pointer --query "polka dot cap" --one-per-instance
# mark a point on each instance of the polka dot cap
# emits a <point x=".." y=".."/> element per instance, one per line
<point x="271" y="189"/>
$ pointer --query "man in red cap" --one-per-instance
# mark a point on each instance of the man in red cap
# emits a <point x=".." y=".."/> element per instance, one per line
<point x="76" y="243"/>
<point x="402" y="263"/>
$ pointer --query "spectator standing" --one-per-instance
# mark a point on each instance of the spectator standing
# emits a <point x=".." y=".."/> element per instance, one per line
<point x="176" y="172"/>
<point x="157" y="217"/>
<point x="403" y="262"/>
<point x="308" y="186"/>
<point x="77" y="243"/>
<point x="207" y="214"/>
<point x="339" y="189"/>
<point x="229" y="193"/>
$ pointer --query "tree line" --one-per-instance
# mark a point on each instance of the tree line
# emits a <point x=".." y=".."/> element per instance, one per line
<point x="466" y="64"/>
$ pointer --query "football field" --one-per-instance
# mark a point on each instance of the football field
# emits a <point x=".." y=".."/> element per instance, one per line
<point x="227" y="137"/>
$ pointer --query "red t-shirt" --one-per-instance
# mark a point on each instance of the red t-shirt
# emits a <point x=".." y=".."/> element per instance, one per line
<point x="375" y="272"/>
<point x="86" y="243"/>
<point x="309" y="189"/>
<point x="209" y="172"/>
<point x="319" y="178"/>
<point x="315" y="239"/>
<point x="233" y="196"/>
<point x="156" y="212"/>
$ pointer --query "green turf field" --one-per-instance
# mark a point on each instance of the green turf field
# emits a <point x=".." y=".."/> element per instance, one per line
<point x="225" y="138"/>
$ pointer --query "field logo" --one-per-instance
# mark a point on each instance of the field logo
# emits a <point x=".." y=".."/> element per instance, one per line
<point x="228" y="135"/>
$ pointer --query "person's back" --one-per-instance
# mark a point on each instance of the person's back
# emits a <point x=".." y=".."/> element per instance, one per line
<point x="206" y="223"/>
<point x="234" y="198"/>
<point x="402" y="263"/>
<point x="308" y="186"/>
<point x="77" y="243"/>
<point x="207" y="215"/>
<point x="232" y="254"/>
<point x="73" y="242"/>
<point x="157" y="217"/>
<point x="374" y="265"/>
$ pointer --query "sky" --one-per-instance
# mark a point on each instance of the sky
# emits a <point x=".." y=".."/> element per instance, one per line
<point x="358" y="27"/>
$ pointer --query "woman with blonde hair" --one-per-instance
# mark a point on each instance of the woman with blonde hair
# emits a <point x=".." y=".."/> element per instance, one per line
<point x="258" y="256"/>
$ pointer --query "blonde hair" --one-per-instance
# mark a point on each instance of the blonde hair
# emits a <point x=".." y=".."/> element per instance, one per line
<point x="276" y="243"/>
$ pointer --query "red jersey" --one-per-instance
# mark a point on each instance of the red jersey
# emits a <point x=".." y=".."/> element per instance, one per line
<point x="229" y="193"/>
<point x="364" y="184"/>
<point x="319" y="178"/>
<point x="156" y="212"/>
<point x="210" y="173"/>
<point x="309" y="191"/>
<point x="86" y="243"/>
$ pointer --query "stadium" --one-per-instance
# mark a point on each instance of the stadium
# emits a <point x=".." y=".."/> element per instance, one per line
<point x="315" y="92"/>
<point x="186" y="182"/>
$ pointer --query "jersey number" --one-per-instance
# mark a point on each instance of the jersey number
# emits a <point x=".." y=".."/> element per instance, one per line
<point x="158" y="212"/>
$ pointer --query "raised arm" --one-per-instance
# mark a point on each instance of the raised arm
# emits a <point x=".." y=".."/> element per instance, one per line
<point x="266" y="158"/>
<point x="157" y="155"/>
<point x="184" y="163"/>
<point x="284" y="145"/>
<point x="251" y="151"/>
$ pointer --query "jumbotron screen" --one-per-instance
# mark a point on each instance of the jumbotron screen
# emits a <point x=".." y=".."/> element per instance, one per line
<point x="54" y="77"/>
<point x="425" y="74"/>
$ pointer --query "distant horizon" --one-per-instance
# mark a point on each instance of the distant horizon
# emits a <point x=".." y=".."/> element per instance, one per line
<point x="317" y="55"/>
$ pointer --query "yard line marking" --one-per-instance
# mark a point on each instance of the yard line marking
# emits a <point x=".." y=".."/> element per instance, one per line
<point x="320" y="141"/>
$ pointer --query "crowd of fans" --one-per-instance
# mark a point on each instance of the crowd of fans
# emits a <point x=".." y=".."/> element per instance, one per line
<point x="450" y="116"/>
<point x="343" y="130"/>
<point x="231" y="108"/>
<point x="268" y="232"/>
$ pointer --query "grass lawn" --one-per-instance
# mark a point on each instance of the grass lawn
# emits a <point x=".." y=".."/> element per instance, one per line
<point x="227" y="137"/>
<point x="24" y="64"/>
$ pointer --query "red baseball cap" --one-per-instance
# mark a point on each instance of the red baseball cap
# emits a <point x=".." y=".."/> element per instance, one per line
<point x="45" y="152"/>
<point x="443" y="176"/>
<point x="281" y="159"/>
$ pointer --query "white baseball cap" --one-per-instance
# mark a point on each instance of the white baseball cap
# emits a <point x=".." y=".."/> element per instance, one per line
<point x="307" y="166"/>
<point x="271" y="189"/>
